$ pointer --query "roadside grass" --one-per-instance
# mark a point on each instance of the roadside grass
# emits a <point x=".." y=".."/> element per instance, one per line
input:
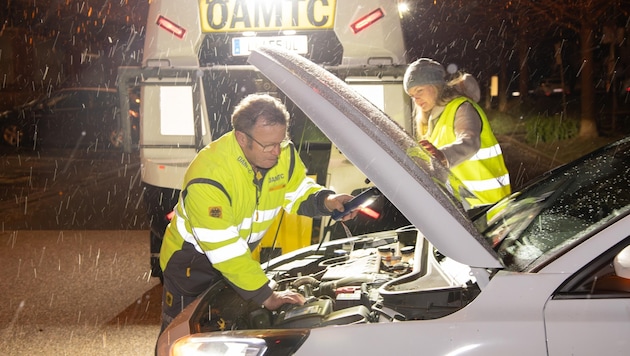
<point x="550" y="135"/>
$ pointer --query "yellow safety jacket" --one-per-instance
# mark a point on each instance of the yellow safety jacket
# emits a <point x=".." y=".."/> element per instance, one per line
<point x="224" y="212"/>
<point x="485" y="173"/>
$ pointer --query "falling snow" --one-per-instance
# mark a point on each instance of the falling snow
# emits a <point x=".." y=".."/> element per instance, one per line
<point x="74" y="243"/>
<point x="96" y="281"/>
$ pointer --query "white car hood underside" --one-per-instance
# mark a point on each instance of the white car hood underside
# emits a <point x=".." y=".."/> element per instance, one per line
<point x="381" y="149"/>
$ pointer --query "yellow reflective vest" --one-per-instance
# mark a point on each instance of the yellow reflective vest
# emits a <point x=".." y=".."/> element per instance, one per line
<point x="224" y="212"/>
<point x="485" y="173"/>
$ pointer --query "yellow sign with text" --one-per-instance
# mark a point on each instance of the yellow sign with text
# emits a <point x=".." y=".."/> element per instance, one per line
<point x="266" y="15"/>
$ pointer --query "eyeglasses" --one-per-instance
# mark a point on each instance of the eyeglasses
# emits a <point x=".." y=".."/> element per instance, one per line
<point x="268" y="148"/>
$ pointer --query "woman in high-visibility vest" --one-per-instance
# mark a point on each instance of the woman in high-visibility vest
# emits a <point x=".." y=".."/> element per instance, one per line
<point x="455" y="130"/>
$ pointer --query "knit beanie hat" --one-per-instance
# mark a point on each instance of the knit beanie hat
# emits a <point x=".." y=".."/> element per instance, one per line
<point x="424" y="71"/>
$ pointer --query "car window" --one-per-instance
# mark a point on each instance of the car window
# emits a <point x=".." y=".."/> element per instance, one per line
<point x="104" y="100"/>
<point x="83" y="99"/>
<point x="605" y="277"/>
<point x="69" y="100"/>
<point x="531" y="229"/>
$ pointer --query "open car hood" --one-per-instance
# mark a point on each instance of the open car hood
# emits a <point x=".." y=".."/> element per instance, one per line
<point x="382" y="150"/>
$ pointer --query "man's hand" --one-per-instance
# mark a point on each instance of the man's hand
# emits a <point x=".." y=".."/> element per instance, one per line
<point x="434" y="151"/>
<point x="335" y="202"/>
<point x="277" y="299"/>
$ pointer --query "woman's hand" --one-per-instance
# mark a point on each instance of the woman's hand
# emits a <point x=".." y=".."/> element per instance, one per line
<point x="434" y="151"/>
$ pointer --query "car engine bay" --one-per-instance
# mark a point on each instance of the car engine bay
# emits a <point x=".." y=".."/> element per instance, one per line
<point x="380" y="277"/>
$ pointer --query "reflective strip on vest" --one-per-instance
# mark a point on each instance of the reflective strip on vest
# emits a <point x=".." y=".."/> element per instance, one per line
<point x="488" y="152"/>
<point x="221" y="254"/>
<point x="302" y="190"/>
<point x="265" y="215"/>
<point x="205" y="235"/>
<point x="487" y="184"/>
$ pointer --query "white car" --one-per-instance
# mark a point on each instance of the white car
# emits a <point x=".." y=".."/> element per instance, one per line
<point x="545" y="271"/>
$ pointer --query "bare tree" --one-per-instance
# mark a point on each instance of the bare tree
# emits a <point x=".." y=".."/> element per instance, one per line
<point x="586" y="18"/>
<point x="495" y="36"/>
<point x="71" y="33"/>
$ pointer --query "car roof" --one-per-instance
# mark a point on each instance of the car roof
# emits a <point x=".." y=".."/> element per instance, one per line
<point x="111" y="90"/>
<point x="382" y="150"/>
<point x="97" y="90"/>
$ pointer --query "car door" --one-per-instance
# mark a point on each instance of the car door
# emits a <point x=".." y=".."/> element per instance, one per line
<point x="590" y="313"/>
<point x="102" y="124"/>
<point x="62" y="120"/>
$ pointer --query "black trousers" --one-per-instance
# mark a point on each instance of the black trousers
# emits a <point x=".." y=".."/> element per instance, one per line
<point x="187" y="274"/>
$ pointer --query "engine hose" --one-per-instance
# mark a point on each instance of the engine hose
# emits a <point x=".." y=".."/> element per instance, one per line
<point x="300" y="281"/>
<point x="328" y="288"/>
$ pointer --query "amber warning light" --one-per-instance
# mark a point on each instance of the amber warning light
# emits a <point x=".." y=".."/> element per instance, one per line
<point x="171" y="27"/>
<point x="367" y="20"/>
<point x="369" y="212"/>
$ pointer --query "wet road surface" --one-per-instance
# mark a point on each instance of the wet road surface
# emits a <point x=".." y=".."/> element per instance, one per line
<point x="77" y="292"/>
<point x="74" y="256"/>
<point x="62" y="189"/>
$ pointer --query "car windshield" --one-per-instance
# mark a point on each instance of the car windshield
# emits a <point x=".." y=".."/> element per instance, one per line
<point x="531" y="228"/>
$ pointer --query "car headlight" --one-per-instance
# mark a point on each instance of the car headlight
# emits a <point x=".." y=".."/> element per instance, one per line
<point x="222" y="345"/>
<point x="237" y="343"/>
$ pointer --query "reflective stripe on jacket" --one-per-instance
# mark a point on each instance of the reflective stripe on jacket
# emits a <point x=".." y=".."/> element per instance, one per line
<point x="485" y="173"/>
<point x="224" y="214"/>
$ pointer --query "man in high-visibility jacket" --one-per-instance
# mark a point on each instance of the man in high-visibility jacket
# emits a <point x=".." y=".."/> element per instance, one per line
<point x="233" y="190"/>
<point x="455" y="130"/>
